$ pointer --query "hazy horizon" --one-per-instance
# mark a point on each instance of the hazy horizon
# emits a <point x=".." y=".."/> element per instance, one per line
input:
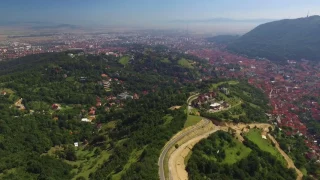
<point x="207" y="16"/>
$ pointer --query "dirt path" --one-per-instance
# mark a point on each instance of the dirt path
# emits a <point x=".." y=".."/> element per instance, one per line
<point x="265" y="128"/>
<point x="287" y="158"/>
<point x="19" y="104"/>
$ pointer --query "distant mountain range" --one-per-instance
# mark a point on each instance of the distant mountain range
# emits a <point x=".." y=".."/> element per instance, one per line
<point x="282" y="40"/>
<point x="223" y="20"/>
<point x="59" y="26"/>
<point x="37" y="25"/>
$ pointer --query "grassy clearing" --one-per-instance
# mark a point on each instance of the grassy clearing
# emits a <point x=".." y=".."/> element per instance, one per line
<point x="167" y="119"/>
<point x="13" y="97"/>
<point x="9" y="171"/>
<point x="89" y="163"/>
<point x="233" y="82"/>
<point x="70" y="79"/>
<point x="211" y="158"/>
<point x="107" y="127"/>
<point x="108" y="90"/>
<point x="166" y="60"/>
<point x="238" y="115"/>
<point x="304" y="171"/>
<point x="232" y="101"/>
<point x="9" y="91"/>
<point x="215" y="86"/>
<point x="185" y="63"/>
<point x="110" y="125"/>
<point x="124" y="60"/>
<point x="134" y="157"/>
<point x="89" y="159"/>
<point x="120" y="142"/>
<point x="52" y="150"/>
<point x="232" y="111"/>
<point x="236" y="153"/>
<point x="192" y="120"/>
<point x="194" y="111"/>
<point x="254" y="135"/>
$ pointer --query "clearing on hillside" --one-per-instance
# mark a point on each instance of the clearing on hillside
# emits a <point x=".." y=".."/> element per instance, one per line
<point x="255" y="135"/>
<point x="185" y="63"/>
<point x="166" y="60"/>
<point x="124" y="60"/>
<point x="223" y="148"/>
<point x="167" y="119"/>
<point x="192" y="120"/>
<point x="134" y="157"/>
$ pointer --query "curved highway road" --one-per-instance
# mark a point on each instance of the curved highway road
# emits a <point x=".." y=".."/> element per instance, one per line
<point x="172" y="143"/>
<point x="174" y="140"/>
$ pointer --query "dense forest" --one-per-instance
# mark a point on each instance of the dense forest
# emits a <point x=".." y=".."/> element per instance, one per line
<point x="102" y="117"/>
<point x="223" y="39"/>
<point x="208" y="161"/>
<point x="45" y="97"/>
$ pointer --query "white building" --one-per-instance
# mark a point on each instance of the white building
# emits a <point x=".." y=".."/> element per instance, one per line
<point x="215" y="106"/>
<point x="76" y="144"/>
<point x="85" y="120"/>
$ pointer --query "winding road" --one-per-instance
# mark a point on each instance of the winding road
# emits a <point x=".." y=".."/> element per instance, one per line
<point x="177" y="138"/>
<point x="176" y="163"/>
<point x="178" y="155"/>
<point x="172" y="143"/>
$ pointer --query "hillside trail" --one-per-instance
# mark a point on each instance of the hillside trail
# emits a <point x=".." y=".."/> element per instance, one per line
<point x="287" y="158"/>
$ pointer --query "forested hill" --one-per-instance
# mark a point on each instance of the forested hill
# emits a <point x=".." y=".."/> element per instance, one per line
<point x="221" y="156"/>
<point x="292" y="39"/>
<point x="47" y="102"/>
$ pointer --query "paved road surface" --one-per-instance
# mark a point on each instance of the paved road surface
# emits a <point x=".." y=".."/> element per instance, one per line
<point x="177" y="166"/>
<point x="171" y="144"/>
<point x="174" y="140"/>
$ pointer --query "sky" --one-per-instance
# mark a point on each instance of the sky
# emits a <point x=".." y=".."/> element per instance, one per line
<point x="154" y="13"/>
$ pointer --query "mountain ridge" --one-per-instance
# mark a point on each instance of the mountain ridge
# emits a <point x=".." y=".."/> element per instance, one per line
<point x="282" y="40"/>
